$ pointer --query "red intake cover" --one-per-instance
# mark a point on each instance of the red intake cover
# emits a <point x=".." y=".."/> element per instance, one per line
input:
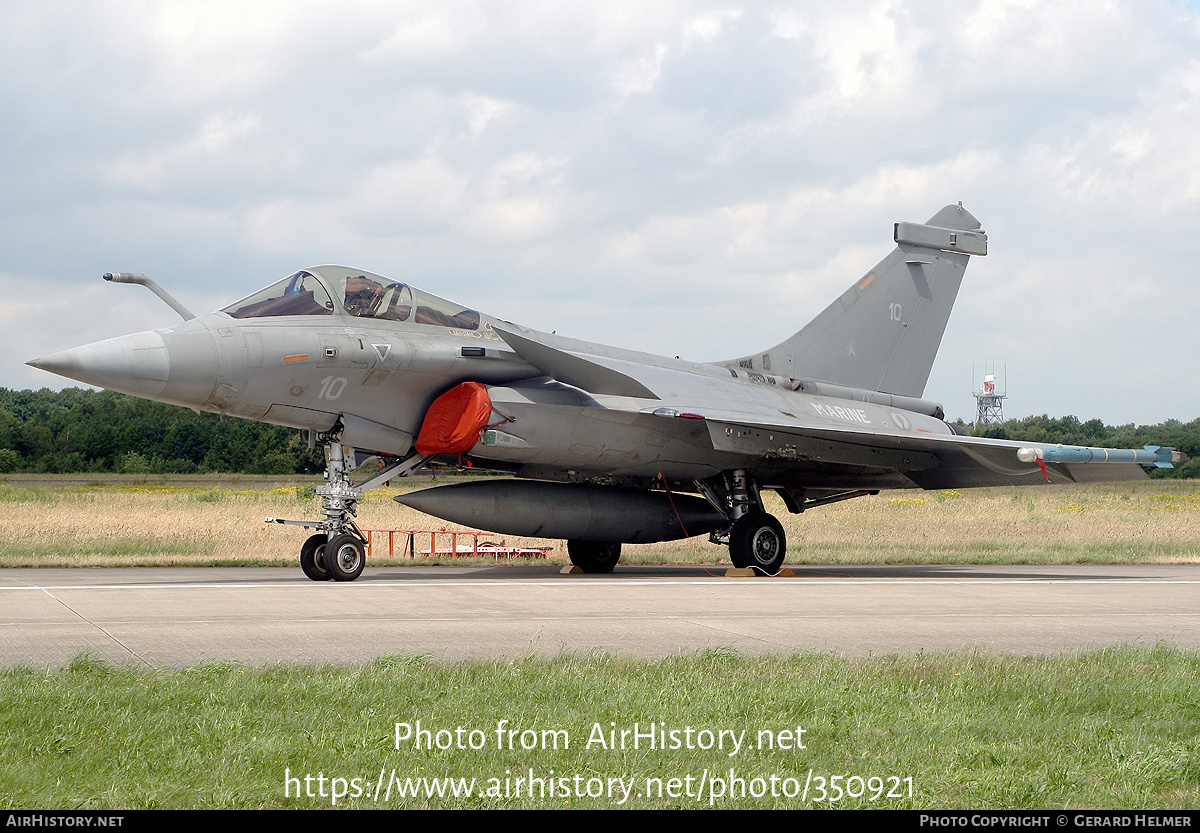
<point x="454" y="420"/>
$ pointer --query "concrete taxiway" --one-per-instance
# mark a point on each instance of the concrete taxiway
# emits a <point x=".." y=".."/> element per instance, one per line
<point x="174" y="617"/>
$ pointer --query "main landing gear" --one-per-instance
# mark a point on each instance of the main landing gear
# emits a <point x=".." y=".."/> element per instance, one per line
<point x="339" y="550"/>
<point x="594" y="556"/>
<point x="755" y="538"/>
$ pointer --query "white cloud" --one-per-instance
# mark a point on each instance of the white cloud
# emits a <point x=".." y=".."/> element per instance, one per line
<point x="708" y="26"/>
<point x="215" y="144"/>
<point x="640" y="73"/>
<point x="629" y="172"/>
<point x="482" y="110"/>
<point x="443" y="33"/>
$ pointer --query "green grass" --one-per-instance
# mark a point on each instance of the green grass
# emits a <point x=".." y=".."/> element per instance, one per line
<point x="24" y="494"/>
<point x="1110" y="729"/>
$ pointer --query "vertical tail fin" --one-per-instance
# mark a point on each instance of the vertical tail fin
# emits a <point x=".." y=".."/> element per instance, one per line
<point x="883" y="333"/>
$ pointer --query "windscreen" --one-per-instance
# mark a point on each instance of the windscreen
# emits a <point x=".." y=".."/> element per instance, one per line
<point x="298" y="294"/>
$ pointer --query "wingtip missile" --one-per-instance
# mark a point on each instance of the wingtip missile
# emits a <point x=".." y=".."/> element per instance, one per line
<point x="1150" y="455"/>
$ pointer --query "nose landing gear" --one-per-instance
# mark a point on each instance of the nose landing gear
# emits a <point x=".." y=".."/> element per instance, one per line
<point x="339" y="550"/>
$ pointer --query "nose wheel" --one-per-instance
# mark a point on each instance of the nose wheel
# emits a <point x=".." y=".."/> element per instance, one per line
<point x="345" y="557"/>
<point x="312" y="557"/>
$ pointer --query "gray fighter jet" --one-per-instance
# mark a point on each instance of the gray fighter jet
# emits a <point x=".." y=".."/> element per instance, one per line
<point x="607" y="446"/>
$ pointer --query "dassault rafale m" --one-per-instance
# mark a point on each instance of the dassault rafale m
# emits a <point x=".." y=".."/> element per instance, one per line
<point x="606" y="446"/>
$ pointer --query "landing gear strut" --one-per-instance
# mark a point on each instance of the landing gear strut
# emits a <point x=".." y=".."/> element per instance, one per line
<point x="339" y="550"/>
<point x="755" y="538"/>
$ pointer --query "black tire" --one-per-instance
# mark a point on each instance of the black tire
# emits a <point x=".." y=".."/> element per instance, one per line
<point x="594" y="556"/>
<point x="345" y="557"/>
<point x="312" y="557"/>
<point x="757" y="541"/>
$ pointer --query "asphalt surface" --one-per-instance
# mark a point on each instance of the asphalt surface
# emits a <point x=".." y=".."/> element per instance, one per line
<point x="174" y="617"/>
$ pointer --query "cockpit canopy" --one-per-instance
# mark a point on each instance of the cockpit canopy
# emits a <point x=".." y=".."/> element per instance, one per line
<point x="361" y="294"/>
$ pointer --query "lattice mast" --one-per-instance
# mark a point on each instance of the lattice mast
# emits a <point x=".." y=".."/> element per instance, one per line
<point x="989" y="401"/>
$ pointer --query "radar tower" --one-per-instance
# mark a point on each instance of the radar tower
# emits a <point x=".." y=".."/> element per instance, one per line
<point x="989" y="402"/>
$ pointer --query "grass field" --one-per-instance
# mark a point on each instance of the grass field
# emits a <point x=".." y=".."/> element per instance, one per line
<point x="53" y="521"/>
<point x="1114" y="729"/>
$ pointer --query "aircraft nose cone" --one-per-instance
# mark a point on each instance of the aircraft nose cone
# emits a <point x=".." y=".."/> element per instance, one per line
<point x="137" y="364"/>
<point x="177" y="365"/>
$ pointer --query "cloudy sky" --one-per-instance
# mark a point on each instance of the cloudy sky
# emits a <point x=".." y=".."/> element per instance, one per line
<point x="687" y="178"/>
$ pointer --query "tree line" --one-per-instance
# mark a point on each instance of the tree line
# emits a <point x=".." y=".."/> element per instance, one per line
<point x="78" y="430"/>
